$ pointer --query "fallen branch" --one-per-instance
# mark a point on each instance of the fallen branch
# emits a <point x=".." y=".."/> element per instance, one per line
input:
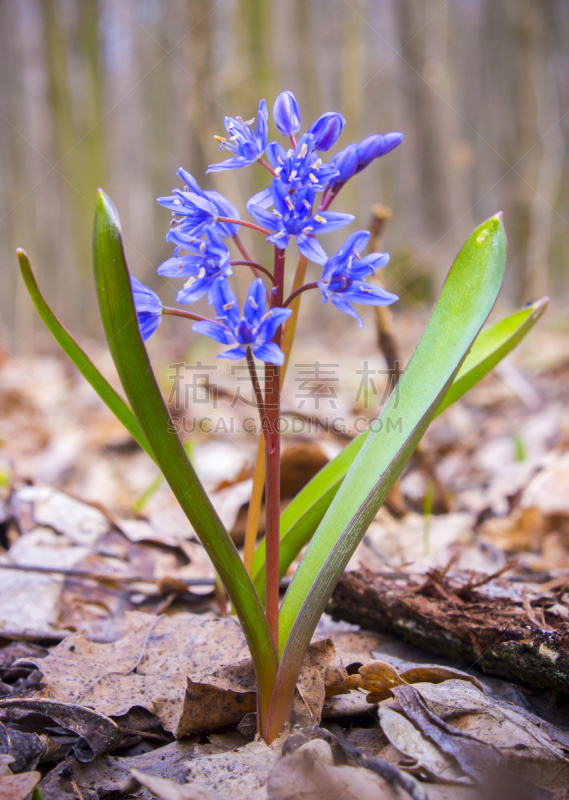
<point x="491" y="633"/>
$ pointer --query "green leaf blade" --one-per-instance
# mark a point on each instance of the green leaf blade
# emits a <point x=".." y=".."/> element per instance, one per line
<point x="79" y="358"/>
<point x="304" y="513"/>
<point x="465" y="302"/>
<point x="137" y="377"/>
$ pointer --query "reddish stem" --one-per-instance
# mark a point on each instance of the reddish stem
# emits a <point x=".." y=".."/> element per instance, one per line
<point x="258" y="393"/>
<point x="245" y="224"/>
<point x="241" y="247"/>
<point x="293" y="141"/>
<point x="272" y="468"/>
<point x="326" y="203"/>
<point x="177" y="312"/>
<point x="300" y="290"/>
<point x="264" y="164"/>
<point x="254" y="266"/>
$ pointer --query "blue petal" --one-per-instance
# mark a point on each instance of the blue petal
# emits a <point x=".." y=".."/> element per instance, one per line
<point x="326" y="130"/>
<point x="264" y="198"/>
<point x="286" y="114"/>
<point x="374" y="261"/>
<point x="263" y="217"/>
<point x="225" y="302"/>
<point x="279" y="239"/>
<point x="276" y="155"/>
<point x="231" y="163"/>
<point x="262" y="132"/>
<point x="342" y="305"/>
<point x="280" y="196"/>
<point x="368" y="294"/>
<point x="272" y="321"/>
<point x="268" y="352"/>
<point x="346" y="162"/>
<point x="311" y="248"/>
<point x="256" y="301"/>
<point x="190" y="181"/>
<point x="234" y="354"/>
<point x="148" y="324"/>
<point x="144" y="298"/>
<point x="196" y="291"/>
<point x="327" y="221"/>
<point x="180" y="267"/>
<point x="214" y="331"/>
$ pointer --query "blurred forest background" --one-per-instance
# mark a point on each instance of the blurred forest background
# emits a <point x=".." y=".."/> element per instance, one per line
<point x="119" y="93"/>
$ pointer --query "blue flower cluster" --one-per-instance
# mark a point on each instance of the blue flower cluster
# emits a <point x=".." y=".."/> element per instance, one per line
<point x="288" y="208"/>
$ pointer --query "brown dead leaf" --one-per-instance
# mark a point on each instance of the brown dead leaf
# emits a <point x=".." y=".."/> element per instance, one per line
<point x="533" y="749"/>
<point x="480" y="760"/>
<point x="98" y="734"/>
<point x="25" y="748"/>
<point x="15" y="787"/>
<point x="549" y="490"/>
<point x="168" y="790"/>
<point x="425" y="757"/>
<point x="225" y="695"/>
<point x="103" y="676"/>
<point x="310" y="773"/>
<point x="218" y="697"/>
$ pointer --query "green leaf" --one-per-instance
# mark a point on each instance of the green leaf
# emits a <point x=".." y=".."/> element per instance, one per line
<point x="81" y="360"/>
<point x="302" y="516"/>
<point x="139" y="383"/>
<point x="490" y="347"/>
<point x="465" y="302"/>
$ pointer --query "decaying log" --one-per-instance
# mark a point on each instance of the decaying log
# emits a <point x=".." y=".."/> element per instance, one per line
<point x="490" y="631"/>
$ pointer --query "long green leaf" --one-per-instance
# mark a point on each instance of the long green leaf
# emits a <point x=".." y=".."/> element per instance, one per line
<point x="135" y="372"/>
<point x="490" y="347"/>
<point x="81" y="360"/>
<point x="465" y="301"/>
<point x="302" y="516"/>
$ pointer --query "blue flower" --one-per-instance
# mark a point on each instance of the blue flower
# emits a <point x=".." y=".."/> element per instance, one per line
<point x="343" y="277"/>
<point x="247" y="146"/>
<point x="302" y="166"/>
<point x="286" y="114"/>
<point x="148" y="307"/>
<point x="377" y="145"/>
<point x="198" y="209"/>
<point x="254" y="329"/>
<point x="326" y="130"/>
<point x="195" y="213"/>
<point x="292" y="216"/>
<point x="224" y="207"/>
<point x="208" y="261"/>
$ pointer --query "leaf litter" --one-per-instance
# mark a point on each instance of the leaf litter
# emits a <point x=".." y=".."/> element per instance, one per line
<point x="132" y="594"/>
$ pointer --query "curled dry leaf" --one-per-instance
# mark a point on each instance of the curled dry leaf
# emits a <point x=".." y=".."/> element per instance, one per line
<point x="378" y="677"/>
<point x="98" y="734"/>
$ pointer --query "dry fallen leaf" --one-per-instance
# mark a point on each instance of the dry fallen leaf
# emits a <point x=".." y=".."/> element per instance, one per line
<point x="15" y="787"/>
<point x="425" y="757"/>
<point x="148" y="667"/>
<point x="533" y="749"/>
<point x="168" y="790"/>
<point x="98" y="734"/>
<point x="309" y="773"/>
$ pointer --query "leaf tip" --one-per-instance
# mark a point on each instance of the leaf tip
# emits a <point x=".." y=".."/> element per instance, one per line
<point x="106" y="206"/>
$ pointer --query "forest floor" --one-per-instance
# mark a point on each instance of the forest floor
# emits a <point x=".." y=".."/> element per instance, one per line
<point x="442" y="670"/>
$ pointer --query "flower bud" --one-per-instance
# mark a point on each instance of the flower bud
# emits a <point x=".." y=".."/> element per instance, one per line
<point x="376" y="145"/>
<point x="346" y="162"/>
<point x="326" y="130"/>
<point x="286" y="114"/>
